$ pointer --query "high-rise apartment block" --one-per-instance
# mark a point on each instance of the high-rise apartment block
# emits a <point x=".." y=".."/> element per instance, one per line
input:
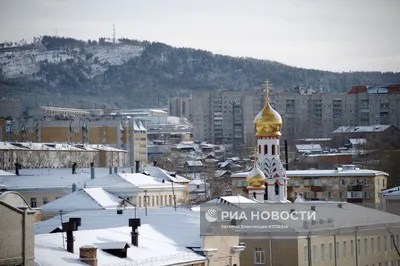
<point x="180" y="107"/>
<point x="226" y="117"/>
<point x="10" y="108"/>
<point x="317" y="114"/>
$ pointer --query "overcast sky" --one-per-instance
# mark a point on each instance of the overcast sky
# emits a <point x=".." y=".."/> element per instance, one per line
<point x="337" y="35"/>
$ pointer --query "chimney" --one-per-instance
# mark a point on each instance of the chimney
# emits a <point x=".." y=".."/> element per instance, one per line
<point x="74" y="168"/>
<point x="17" y="167"/>
<point x="134" y="223"/>
<point x="115" y="170"/>
<point x="154" y="163"/>
<point x="137" y="166"/>
<point x="88" y="255"/>
<point x="110" y="171"/>
<point x="92" y="170"/>
<point x="69" y="228"/>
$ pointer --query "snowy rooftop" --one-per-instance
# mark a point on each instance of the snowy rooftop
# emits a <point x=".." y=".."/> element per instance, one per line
<point x="320" y="173"/>
<point x="194" y="163"/>
<point x="54" y="147"/>
<point x="182" y="222"/>
<point x="357" y="141"/>
<point x="154" y="248"/>
<point x="163" y="174"/>
<point x="391" y="191"/>
<point x="353" y="129"/>
<point x="62" y="178"/>
<point x="84" y="199"/>
<point x="309" y="147"/>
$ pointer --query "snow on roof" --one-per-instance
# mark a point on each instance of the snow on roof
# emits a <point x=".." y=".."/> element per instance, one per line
<point x="224" y="164"/>
<point x="2" y="173"/>
<point x="154" y="248"/>
<point x="84" y="199"/>
<point x="194" y="163"/>
<point x="163" y="174"/>
<point x="102" y="147"/>
<point x="357" y="141"/>
<point x="196" y="182"/>
<point x="141" y="127"/>
<point x="391" y="191"/>
<point x="62" y="178"/>
<point x="309" y="147"/>
<point x="183" y="224"/>
<point x="135" y="126"/>
<point x="233" y="200"/>
<point x="144" y="181"/>
<point x="220" y="173"/>
<point x="320" y="173"/>
<point x="38" y="146"/>
<point x="352" y="129"/>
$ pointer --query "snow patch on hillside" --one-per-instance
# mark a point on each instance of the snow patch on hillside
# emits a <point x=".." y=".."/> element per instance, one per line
<point x="26" y="62"/>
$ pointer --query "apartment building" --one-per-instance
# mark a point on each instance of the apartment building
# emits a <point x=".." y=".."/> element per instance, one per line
<point x="121" y="133"/>
<point x="51" y="111"/>
<point x="308" y="113"/>
<point x="180" y="107"/>
<point x="10" y="108"/>
<point x="346" y="183"/>
<point x="226" y="117"/>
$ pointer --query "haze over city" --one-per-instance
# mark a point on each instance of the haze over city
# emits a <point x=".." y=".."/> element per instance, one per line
<point x="328" y="35"/>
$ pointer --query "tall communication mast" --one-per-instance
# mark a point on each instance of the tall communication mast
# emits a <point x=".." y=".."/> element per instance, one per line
<point x="113" y="34"/>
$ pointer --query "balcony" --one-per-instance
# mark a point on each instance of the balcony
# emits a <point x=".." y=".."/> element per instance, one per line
<point x="354" y="200"/>
<point x="317" y="189"/>
<point x="355" y="188"/>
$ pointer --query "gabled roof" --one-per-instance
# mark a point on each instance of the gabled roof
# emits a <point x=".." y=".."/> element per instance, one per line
<point x="141" y="126"/>
<point x="363" y="129"/>
<point x="163" y="174"/>
<point x="144" y="181"/>
<point x="154" y="248"/>
<point x="84" y="199"/>
<point x="194" y="163"/>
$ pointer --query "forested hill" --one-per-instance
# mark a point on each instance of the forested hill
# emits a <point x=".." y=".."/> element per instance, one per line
<point x="133" y="74"/>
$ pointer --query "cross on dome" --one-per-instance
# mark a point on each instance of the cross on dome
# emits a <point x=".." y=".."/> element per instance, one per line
<point x="266" y="85"/>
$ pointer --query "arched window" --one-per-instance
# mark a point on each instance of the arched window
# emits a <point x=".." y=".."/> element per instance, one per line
<point x="259" y="149"/>
<point x="265" y="149"/>
<point x="273" y="149"/>
<point x="278" y="149"/>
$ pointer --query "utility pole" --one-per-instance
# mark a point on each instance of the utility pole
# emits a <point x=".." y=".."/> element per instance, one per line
<point x="173" y="193"/>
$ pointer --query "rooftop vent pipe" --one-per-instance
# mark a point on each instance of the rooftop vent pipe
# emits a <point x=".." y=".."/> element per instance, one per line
<point x="134" y="223"/>
<point x="69" y="228"/>
<point x="137" y="166"/>
<point x="92" y="170"/>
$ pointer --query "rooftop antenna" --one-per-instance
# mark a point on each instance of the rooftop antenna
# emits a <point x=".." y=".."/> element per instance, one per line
<point x="113" y="34"/>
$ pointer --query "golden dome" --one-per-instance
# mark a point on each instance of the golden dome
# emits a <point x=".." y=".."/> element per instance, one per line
<point x="256" y="178"/>
<point x="268" y="122"/>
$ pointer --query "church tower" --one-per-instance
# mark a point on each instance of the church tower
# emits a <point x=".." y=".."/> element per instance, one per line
<point x="268" y="124"/>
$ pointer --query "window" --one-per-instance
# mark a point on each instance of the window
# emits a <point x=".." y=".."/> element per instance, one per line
<point x="197" y="186"/>
<point x="343" y="182"/>
<point x="152" y="201"/>
<point x="259" y="256"/>
<point x="265" y="149"/>
<point x="45" y="200"/>
<point x="366" y="182"/>
<point x="273" y="149"/>
<point x="330" y="194"/>
<point x="104" y="140"/>
<point x="337" y="250"/>
<point x="342" y="194"/>
<point x="259" y="149"/>
<point x="161" y="201"/>
<point x="104" y="132"/>
<point x="170" y="200"/>
<point x="358" y="246"/>
<point x="322" y="252"/>
<point x="391" y="242"/>
<point x="372" y="245"/>
<point x="352" y="247"/>
<point x="365" y="246"/>
<point x="157" y="200"/>
<point x="140" y="202"/>
<point x="330" y="251"/>
<point x="306" y="254"/>
<point x="385" y="243"/>
<point x="379" y="244"/>
<point x="383" y="182"/>
<point x="344" y="249"/>
<point x="314" y="253"/>
<point x="33" y="203"/>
